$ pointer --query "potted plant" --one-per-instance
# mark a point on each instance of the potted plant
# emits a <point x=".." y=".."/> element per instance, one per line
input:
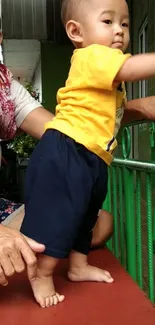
<point x="23" y="145"/>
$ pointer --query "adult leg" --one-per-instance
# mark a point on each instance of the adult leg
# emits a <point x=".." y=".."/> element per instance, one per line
<point x="103" y="229"/>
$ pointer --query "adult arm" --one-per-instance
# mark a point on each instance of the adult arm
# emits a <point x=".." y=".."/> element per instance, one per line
<point x="30" y="115"/>
<point x="139" y="109"/>
<point x="34" y="122"/>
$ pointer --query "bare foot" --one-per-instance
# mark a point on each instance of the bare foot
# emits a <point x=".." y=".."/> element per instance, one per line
<point x="80" y="270"/>
<point x="43" y="286"/>
<point x="89" y="273"/>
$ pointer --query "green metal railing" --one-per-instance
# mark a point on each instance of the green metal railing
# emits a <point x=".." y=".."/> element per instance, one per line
<point x="131" y="201"/>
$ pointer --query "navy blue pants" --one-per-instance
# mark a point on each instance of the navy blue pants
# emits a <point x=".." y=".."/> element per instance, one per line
<point x="65" y="187"/>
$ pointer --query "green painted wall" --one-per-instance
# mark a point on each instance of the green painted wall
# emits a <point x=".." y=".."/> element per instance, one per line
<point x="55" y="62"/>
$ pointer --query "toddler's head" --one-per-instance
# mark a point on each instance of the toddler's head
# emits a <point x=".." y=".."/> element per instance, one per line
<point x="103" y="22"/>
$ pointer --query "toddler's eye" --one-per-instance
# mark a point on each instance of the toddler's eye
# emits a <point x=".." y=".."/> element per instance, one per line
<point x="107" y="21"/>
<point x="125" y="25"/>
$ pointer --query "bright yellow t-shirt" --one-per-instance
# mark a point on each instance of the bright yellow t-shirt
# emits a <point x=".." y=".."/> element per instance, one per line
<point x="90" y="107"/>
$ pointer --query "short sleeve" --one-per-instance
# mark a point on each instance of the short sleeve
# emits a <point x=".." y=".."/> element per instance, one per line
<point x="102" y="65"/>
<point x="24" y="102"/>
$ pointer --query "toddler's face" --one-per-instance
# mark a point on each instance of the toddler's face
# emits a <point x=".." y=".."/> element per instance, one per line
<point x="106" y="23"/>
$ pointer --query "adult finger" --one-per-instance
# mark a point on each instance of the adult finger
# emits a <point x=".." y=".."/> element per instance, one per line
<point x="30" y="260"/>
<point x="36" y="247"/>
<point x="3" y="279"/>
<point x="6" y="265"/>
<point x="17" y="261"/>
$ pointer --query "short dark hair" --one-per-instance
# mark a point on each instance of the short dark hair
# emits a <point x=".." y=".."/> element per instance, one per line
<point x="69" y="9"/>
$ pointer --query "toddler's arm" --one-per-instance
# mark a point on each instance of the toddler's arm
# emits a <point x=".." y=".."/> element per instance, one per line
<point x="137" y="67"/>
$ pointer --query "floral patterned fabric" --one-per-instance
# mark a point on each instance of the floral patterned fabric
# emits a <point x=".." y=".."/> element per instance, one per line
<point x="8" y="125"/>
<point x="7" y="207"/>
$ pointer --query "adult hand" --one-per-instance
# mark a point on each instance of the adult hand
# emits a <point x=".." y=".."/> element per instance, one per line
<point x="17" y="250"/>
<point x="139" y="109"/>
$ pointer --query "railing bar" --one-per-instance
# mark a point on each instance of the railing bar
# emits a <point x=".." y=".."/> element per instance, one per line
<point x="115" y="211"/>
<point x="136" y="164"/>
<point x="139" y="229"/>
<point x="122" y="240"/>
<point x="150" y="236"/>
<point x="130" y="222"/>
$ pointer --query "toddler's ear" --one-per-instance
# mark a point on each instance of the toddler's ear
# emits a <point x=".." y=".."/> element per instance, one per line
<point x="73" y="30"/>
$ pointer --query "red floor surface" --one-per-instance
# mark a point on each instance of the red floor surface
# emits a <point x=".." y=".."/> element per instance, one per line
<point x="120" y="303"/>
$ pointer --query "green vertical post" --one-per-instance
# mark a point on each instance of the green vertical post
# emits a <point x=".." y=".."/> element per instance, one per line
<point x="150" y="236"/>
<point x="139" y="229"/>
<point x="152" y="143"/>
<point x="130" y="222"/>
<point x="154" y="231"/>
<point x="115" y="212"/>
<point x="122" y="241"/>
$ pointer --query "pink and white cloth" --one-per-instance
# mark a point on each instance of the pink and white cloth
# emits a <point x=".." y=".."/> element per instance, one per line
<point x="8" y="125"/>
